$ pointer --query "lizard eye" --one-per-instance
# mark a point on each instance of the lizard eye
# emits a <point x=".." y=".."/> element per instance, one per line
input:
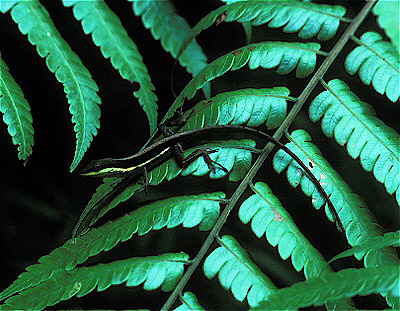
<point x="97" y="166"/>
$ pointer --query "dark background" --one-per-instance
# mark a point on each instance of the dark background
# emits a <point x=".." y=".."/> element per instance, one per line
<point x="42" y="201"/>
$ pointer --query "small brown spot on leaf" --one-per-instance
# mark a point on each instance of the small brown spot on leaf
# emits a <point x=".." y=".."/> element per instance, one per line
<point x="220" y="18"/>
<point x="237" y="52"/>
<point x="277" y="216"/>
<point x="251" y="48"/>
<point x="205" y="103"/>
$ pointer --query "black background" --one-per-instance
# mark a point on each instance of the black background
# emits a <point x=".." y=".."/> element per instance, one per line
<point x="42" y="201"/>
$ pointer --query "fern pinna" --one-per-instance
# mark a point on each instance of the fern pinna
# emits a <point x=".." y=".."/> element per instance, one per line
<point x="323" y="78"/>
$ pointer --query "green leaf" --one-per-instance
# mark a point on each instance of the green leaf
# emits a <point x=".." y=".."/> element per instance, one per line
<point x="287" y="56"/>
<point x="109" y="34"/>
<point x="164" y="270"/>
<point x="17" y="113"/>
<point x="33" y="20"/>
<point x="351" y="209"/>
<point x="252" y="107"/>
<point x="353" y="123"/>
<point x="308" y="19"/>
<point x="202" y="210"/>
<point x="237" y="273"/>
<point x="387" y="13"/>
<point x="189" y="302"/>
<point x="354" y="215"/>
<point x="172" y="30"/>
<point x="5" y="6"/>
<point x="388" y="239"/>
<point x="377" y="63"/>
<point x="268" y="217"/>
<point x="345" y="283"/>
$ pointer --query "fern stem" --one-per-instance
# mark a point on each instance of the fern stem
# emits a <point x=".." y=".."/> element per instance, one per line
<point x="260" y="160"/>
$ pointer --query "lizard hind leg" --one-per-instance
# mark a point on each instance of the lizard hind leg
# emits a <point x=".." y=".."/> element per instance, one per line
<point x="205" y="153"/>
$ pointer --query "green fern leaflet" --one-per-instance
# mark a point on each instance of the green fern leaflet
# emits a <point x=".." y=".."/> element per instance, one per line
<point x="308" y="19"/>
<point x="157" y="271"/>
<point x="387" y="13"/>
<point x="353" y="123"/>
<point x="189" y="302"/>
<point x="172" y="30"/>
<point x="377" y="63"/>
<point x="16" y="113"/>
<point x="237" y="273"/>
<point x="286" y="56"/>
<point x="388" y="239"/>
<point x="344" y="283"/>
<point x="34" y="21"/>
<point x="108" y="34"/>
<point x="188" y="211"/>
<point x="251" y="107"/>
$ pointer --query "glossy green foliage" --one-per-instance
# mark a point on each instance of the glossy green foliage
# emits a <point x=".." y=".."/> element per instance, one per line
<point x="188" y="211"/>
<point x="377" y="63"/>
<point x="388" y="239"/>
<point x="153" y="272"/>
<point x="172" y="30"/>
<point x="308" y="19"/>
<point x="16" y="113"/>
<point x="268" y="217"/>
<point x="353" y="123"/>
<point x="109" y="34"/>
<point x="388" y="13"/>
<point x="353" y="213"/>
<point x="236" y="272"/>
<point x="251" y="107"/>
<point x="189" y="302"/>
<point x="33" y="20"/>
<point x="358" y="223"/>
<point x="344" y="283"/>
<point x="286" y="56"/>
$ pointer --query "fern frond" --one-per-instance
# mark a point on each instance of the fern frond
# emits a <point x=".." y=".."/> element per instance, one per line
<point x="202" y="210"/>
<point x="351" y="121"/>
<point x="287" y="56"/>
<point x="236" y="272"/>
<point x="388" y="239"/>
<point x="308" y="19"/>
<point x="388" y="13"/>
<point x="355" y="217"/>
<point x="268" y="217"/>
<point x="34" y="20"/>
<point x="377" y="63"/>
<point x="189" y="302"/>
<point x="114" y="42"/>
<point x="252" y="107"/>
<point x="345" y="283"/>
<point x="172" y="30"/>
<point x="164" y="270"/>
<point x="351" y="209"/>
<point x="17" y="113"/>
